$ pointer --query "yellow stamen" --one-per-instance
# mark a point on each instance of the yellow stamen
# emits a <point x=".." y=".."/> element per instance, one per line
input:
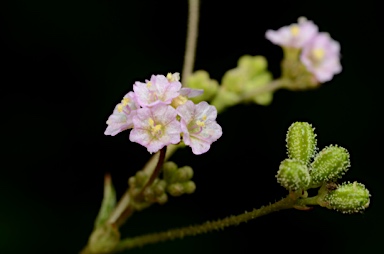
<point x="295" y="30"/>
<point x="173" y="77"/>
<point x="200" y="123"/>
<point x="149" y="84"/>
<point x="155" y="129"/>
<point x="204" y="117"/>
<point x="318" y="53"/>
<point x="125" y="101"/>
<point x="179" y="100"/>
<point x="120" y="108"/>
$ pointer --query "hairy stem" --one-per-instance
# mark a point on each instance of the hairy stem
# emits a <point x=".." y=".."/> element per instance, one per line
<point x="206" y="227"/>
<point x="190" y="47"/>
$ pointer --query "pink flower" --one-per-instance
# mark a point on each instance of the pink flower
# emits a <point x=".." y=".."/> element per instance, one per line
<point x="121" y="118"/>
<point x="190" y="92"/>
<point x="295" y="35"/>
<point x="159" y="90"/>
<point x="155" y="127"/>
<point x="322" y="57"/>
<point x="198" y="125"/>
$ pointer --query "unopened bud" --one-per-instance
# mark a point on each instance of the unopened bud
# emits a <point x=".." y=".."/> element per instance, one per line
<point x="169" y="169"/>
<point x="183" y="174"/>
<point x="252" y="65"/>
<point x="293" y="175"/>
<point x="200" y="80"/>
<point x="329" y="164"/>
<point x="141" y="178"/>
<point x="175" y="189"/>
<point x="348" y="198"/>
<point x="189" y="187"/>
<point x="301" y="142"/>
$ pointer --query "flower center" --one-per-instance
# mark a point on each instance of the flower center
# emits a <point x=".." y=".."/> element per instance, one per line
<point x="155" y="129"/>
<point x="318" y="54"/>
<point x="198" y="125"/>
<point x="295" y="30"/>
<point x="179" y="100"/>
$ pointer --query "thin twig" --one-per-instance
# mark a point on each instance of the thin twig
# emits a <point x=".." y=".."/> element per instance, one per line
<point x="190" y="47"/>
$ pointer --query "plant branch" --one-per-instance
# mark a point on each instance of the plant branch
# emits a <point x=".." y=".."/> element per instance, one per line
<point x="206" y="227"/>
<point x="156" y="171"/>
<point x="271" y="87"/>
<point x="190" y="47"/>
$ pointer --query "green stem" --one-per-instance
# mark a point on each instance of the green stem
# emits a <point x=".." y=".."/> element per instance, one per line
<point x="271" y="87"/>
<point x="190" y="47"/>
<point x="206" y="227"/>
<point x="156" y="171"/>
<point x="308" y="201"/>
<point x="124" y="207"/>
<point x="193" y="21"/>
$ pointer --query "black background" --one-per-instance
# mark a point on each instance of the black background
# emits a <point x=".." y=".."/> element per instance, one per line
<point x="65" y="65"/>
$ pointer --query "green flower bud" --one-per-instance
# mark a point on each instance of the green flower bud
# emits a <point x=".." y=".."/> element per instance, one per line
<point x="169" y="169"/>
<point x="301" y="142"/>
<point x="159" y="187"/>
<point x="329" y="164"/>
<point x="252" y="65"/>
<point x="200" y="80"/>
<point x="293" y="175"/>
<point x="176" y="189"/>
<point x="162" y="199"/>
<point x="224" y="99"/>
<point x="234" y="80"/>
<point x="155" y="193"/>
<point x="141" y="178"/>
<point x="348" y="198"/>
<point x="189" y="187"/>
<point x="183" y="174"/>
<point x="148" y="194"/>
<point x="257" y="82"/>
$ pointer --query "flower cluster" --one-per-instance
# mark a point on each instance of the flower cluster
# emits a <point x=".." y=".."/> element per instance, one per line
<point x="159" y="114"/>
<point x="320" y="54"/>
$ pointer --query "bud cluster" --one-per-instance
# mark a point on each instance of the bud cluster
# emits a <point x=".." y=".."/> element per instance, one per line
<point x="250" y="74"/>
<point x="175" y="181"/>
<point x="178" y="179"/>
<point x="305" y="169"/>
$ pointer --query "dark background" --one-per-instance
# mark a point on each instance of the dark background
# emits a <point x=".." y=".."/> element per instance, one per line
<point x="66" y="64"/>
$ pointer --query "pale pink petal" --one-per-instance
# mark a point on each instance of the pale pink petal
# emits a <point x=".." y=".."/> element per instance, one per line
<point x="326" y="63"/>
<point x="190" y="92"/>
<point x="295" y="35"/>
<point x="159" y="90"/>
<point x="198" y="125"/>
<point x="156" y="127"/>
